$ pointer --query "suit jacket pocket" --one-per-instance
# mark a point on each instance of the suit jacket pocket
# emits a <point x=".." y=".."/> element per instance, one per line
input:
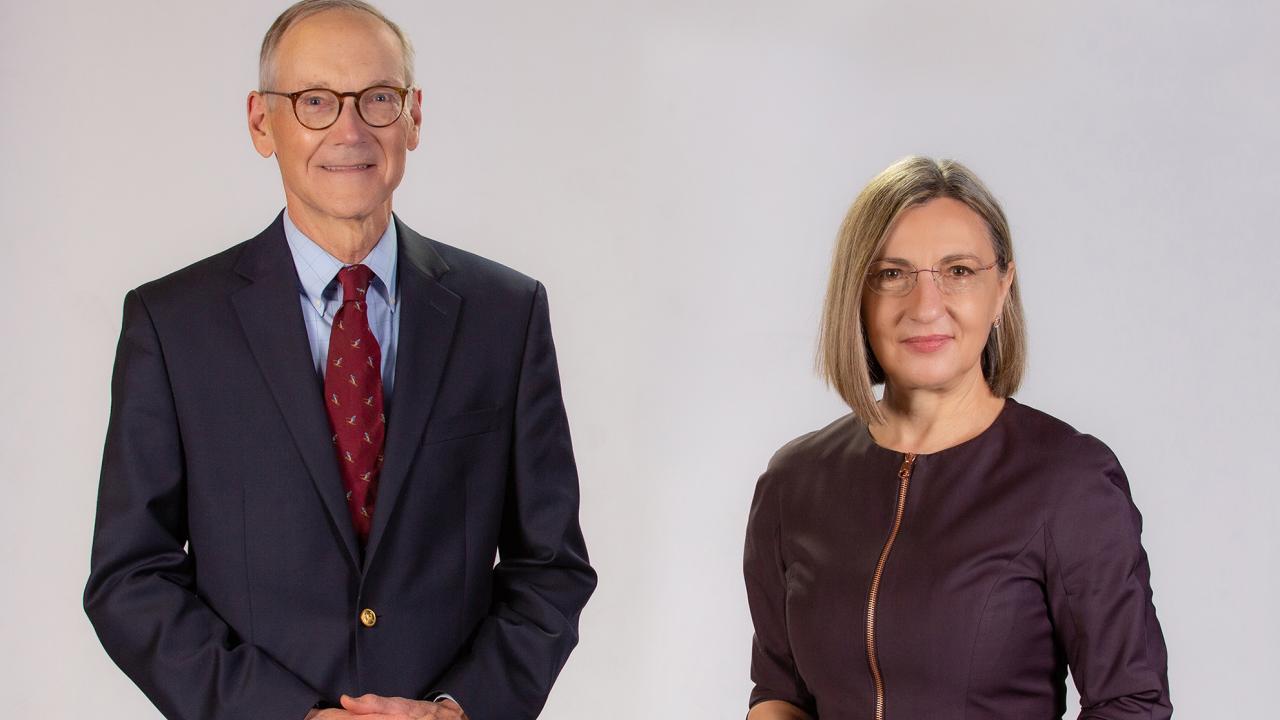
<point x="462" y="425"/>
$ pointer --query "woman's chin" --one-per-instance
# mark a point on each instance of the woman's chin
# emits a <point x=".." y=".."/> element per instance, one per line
<point x="937" y="377"/>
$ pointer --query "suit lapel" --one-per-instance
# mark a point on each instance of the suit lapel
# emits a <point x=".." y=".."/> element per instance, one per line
<point x="429" y="314"/>
<point x="271" y="316"/>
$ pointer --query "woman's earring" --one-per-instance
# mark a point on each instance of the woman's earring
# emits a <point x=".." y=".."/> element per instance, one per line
<point x="996" y="324"/>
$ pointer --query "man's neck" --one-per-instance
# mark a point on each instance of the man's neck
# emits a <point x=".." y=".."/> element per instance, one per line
<point x="350" y="240"/>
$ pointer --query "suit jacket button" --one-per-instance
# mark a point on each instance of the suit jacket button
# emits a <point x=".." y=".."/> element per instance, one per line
<point x="368" y="618"/>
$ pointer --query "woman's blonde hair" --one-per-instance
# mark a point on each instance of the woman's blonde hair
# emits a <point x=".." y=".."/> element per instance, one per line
<point x="845" y="358"/>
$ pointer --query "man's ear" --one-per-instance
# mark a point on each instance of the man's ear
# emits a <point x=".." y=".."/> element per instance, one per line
<point x="260" y="125"/>
<point x="415" y="114"/>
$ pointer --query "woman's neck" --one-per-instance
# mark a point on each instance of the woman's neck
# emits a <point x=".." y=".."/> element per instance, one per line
<point x="926" y="421"/>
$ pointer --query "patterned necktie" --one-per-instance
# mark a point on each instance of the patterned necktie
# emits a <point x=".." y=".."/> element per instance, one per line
<point x="353" y="397"/>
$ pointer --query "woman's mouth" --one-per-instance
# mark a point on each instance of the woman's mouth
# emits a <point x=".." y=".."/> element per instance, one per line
<point x="927" y="343"/>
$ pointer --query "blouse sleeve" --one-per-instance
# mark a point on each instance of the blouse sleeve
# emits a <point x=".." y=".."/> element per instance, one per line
<point x="773" y="669"/>
<point x="1099" y="590"/>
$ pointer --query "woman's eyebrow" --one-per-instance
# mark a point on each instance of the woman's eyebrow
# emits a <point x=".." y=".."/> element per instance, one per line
<point x="947" y="258"/>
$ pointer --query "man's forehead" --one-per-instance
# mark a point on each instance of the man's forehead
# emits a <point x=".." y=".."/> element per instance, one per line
<point x="339" y="47"/>
<point x="341" y="21"/>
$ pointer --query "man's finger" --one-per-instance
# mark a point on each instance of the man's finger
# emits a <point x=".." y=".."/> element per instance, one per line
<point x="367" y="704"/>
<point x="455" y="710"/>
<point x="396" y="708"/>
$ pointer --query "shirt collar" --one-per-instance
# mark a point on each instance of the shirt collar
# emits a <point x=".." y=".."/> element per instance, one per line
<point x="317" y="269"/>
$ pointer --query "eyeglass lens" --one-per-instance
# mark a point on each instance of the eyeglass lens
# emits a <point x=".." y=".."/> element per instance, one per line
<point x="318" y="109"/>
<point x="954" y="276"/>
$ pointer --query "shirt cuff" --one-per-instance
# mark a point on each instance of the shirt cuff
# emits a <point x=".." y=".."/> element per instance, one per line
<point x="437" y="697"/>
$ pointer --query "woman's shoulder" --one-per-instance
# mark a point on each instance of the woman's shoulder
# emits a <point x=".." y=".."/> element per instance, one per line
<point x="1088" y="503"/>
<point x="1071" y="463"/>
<point x="814" y="460"/>
<point x="818" y="446"/>
<point x="1049" y="436"/>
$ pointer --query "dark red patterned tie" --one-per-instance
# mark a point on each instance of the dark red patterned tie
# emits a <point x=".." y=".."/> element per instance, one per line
<point x="353" y="396"/>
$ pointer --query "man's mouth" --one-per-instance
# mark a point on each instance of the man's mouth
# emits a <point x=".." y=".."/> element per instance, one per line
<point x="346" y="168"/>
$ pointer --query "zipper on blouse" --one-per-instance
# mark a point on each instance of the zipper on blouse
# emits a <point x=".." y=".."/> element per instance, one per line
<point x="904" y="479"/>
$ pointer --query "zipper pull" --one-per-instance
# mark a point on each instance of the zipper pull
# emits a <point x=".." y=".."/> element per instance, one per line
<point x="908" y="460"/>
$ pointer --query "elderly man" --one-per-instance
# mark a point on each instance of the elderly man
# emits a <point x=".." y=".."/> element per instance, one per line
<point x="321" y="439"/>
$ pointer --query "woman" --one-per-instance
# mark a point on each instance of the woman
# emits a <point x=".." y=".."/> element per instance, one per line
<point x="945" y="552"/>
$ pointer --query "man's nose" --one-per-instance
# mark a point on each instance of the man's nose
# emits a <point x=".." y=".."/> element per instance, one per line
<point x="349" y="126"/>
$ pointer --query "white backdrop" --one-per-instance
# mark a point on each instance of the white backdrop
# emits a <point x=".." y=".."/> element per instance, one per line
<point x="674" y="172"/>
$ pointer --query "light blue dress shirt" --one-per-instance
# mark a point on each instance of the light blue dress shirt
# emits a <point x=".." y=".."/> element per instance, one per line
<point x="321" y="297"/>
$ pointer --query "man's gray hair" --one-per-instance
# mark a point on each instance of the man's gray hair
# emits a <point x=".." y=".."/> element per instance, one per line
<point x="307" y="8"/>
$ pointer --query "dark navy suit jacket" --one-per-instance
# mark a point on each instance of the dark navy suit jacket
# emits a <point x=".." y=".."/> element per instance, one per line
<point x="226" y="579"/>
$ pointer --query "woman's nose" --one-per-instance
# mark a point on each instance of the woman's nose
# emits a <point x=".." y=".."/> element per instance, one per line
<point x="926" y="299"/>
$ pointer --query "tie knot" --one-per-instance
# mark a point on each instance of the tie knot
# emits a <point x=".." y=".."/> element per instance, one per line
<point x="355" y="282"/>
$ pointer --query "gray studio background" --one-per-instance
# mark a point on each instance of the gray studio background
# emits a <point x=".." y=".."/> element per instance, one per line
<point x="674" y="172"/>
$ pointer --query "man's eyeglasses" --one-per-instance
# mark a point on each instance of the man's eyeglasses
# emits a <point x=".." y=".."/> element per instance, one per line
<point x="953" y="276"/>
<point x="318" y="108"/>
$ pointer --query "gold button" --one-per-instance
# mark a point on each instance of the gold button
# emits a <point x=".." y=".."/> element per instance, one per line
<point x="368" y="618"/>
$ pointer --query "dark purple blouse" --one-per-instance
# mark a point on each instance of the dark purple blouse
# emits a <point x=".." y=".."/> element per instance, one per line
<point x="1015" y="555"/>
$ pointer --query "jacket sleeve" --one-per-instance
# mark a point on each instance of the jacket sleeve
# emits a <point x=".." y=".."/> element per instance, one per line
<point x="1099" y="590"/>
<point x="542" y="579"/>
<point x="141" y="595"/>
<point x="773" y="669"/>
